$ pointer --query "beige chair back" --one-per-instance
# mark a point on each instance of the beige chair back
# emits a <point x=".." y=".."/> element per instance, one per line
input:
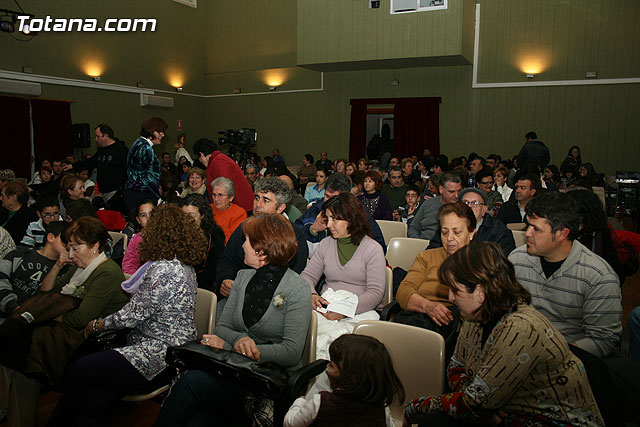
<point x="388" y="289"/>
<point x="417" y="355"/>
<point x="309" y="352"/>
<point x="206" y="304"/>
<point x="519" y="237"/>
<point x="391" y="229"/>
<point x="117" y="236"/>
<point x="402" y="251"/>
<point x="518" y="226"/>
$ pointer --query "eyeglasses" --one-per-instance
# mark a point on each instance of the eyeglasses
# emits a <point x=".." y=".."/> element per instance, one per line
<point x="472" y="204"/>
<point x="51" y="215"/>
<point x="486" y="183"/>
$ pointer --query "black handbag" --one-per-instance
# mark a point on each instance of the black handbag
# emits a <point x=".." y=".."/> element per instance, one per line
<point x="266" y="379"/>
<point x="101" y="341"/>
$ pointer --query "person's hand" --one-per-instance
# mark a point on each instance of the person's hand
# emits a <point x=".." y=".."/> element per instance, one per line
<point x="204" y="160"/>
<point x="440" y="314"/>
<point x="212" y="341"/>
<point x="247" y="347"/>
<point x="67" y="167"/>
<point x="89" y="328"/>
<point x="498" y="417"/>
<point x="330" y="315"/>
<point x="63" y="259"/>
<point x="396" y="215"/>
<point x="225" y="287"/>
<point x="317" y="301"/>
<point x="320" y="224"/>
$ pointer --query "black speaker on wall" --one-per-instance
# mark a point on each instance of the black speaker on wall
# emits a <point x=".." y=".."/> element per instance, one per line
<point x="80" y="136"/>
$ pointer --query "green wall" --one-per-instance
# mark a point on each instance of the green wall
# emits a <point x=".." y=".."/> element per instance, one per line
<point x="228" y="44"/>
<point x="176" y="50"/>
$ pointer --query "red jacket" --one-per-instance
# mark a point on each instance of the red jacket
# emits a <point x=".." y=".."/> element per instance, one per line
<point x="222" y="165"/>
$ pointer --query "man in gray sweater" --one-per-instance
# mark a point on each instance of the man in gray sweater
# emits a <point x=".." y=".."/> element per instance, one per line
<point x="573" y="287"/>
<point x="425" y="222"/>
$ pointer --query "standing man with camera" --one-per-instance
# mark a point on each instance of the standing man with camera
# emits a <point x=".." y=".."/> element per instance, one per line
<point x="218" y="165"/>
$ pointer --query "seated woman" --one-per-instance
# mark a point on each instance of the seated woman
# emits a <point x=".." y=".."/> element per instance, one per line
<point x="71" y="188"/>
<point x="227" y="214"/>
<point x="511" y="366"/>
<point x="196" y="183"/>
<point x="350" y="261"/>
<point x="161" y="313"/>
<point x="198" y="208"/>
<point x="90" y="289"/>
<point x="316" y="192"/>
<point x="266" y="319"/>
<point x="375" y="204"/>
<point x="422" y="297"/>
<point x="15" y="214"/>
<point x="500" y="176"/>
<point x="131" y="260"/>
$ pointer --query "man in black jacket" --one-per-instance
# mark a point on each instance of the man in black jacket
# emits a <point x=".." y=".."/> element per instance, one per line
<point x="533" y="152"/>
<point x="488" y="229"/>
<point x="514" y="211"/>
<point x="110" y="159"/>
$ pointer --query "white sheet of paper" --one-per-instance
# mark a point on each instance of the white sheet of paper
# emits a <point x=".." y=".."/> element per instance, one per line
<point x="341" y="302"/>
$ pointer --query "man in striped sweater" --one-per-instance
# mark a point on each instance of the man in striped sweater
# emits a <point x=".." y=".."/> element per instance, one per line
<point x="573" y="287"/>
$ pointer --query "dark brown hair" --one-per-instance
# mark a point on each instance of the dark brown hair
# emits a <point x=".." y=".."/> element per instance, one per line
<point x="151" y="124"/>
<point x="87" y="230"/>
<point x="171" y="233"/>
<point x="19" y="189"/>
<point x="366" y="370"/>
<point x="345" y="206"/>
<point x="461" y="210"/>
<point x="484" y="264"/>
<point x="272" y="234"/>
<point x="67" y="183"/>
<point x="375" y="177"/>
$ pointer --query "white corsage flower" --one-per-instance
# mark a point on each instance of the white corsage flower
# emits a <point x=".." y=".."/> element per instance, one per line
<point x="279" y="300"/>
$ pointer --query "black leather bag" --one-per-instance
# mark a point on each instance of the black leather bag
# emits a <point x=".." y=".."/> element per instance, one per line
<point x="267" y="379"/>
<point x="101" y="341"/>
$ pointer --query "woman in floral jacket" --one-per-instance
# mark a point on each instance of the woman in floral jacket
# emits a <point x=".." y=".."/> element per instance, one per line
<point x="161" y="313"/>
<point x="265" y="319"/>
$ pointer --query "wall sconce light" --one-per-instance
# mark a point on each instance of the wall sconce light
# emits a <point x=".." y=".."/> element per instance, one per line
<point x="530" y="75"/>
<point x="96" y="78"/>
<point x="179" y="89"/>
<point x="272" y="88"/>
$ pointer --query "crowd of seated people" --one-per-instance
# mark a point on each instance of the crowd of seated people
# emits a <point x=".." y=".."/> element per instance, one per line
<point x="263" y="239"/>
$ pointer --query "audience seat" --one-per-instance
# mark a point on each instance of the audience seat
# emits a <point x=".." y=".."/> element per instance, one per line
<point x="116" y="237"/>
<point x="599" y="191"/>
<point x="519" y="237"/>
<point x="402" y="251"/>
<point x="518" y="226"/>
<point x="417" y="355"/>
<point x="206" y="302"/>
<point x="391" y="229"/>
<point x="388" y="289"/>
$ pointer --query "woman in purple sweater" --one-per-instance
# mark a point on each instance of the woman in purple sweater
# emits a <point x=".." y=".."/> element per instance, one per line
<point x="350" y="261"/>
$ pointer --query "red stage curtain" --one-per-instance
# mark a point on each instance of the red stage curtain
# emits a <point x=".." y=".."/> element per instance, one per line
<point x="415" y="128"/>
<point x="358" y="133"/>
<point x="15" y="135"/>
<point x="51" y="129"/>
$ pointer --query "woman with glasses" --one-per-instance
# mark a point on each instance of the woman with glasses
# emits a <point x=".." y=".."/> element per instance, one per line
<point x="143" y="166"/>
<point x="227" y="215"/>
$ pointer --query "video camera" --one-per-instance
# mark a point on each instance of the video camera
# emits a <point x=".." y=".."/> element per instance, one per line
<point x="240" y="142"/>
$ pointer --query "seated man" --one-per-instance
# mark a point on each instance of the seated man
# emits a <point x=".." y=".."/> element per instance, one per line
<point x="514" y="211"/>
<point x="488" y="229"/>
<point x="314" y="224"/>
<point x="48" y="211"/>
<point x="22" y="270"/>
<point x="396" y="188"/>
<point x="573" y="287"/>
<point x="271" y="196"/>
<point x="425" y="222"/>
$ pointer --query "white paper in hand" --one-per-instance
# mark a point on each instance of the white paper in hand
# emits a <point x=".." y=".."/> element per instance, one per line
<point x="341" y="302"/>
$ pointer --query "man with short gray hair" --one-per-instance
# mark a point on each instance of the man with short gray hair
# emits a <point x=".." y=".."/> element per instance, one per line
<point x="425" y="222"/>
<point x="271" y="197"/>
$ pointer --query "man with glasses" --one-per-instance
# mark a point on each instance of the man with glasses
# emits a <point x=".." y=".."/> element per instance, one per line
<point x="488" y="229"/>
<point x="484" y="181"/>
